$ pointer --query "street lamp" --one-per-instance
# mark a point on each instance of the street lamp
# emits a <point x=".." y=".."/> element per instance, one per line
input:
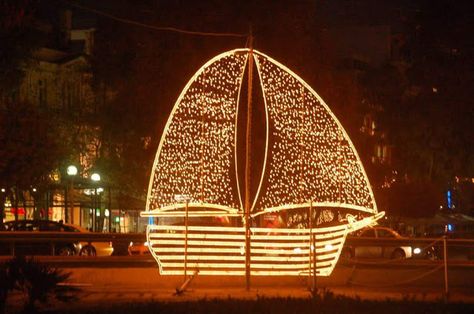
<point x="2" y="206"/>
<point x="95" y="177"/>
<point x="71" y="172"/>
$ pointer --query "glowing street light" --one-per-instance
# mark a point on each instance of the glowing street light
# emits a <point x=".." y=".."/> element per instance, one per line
<point x="71" y="170"/>
<point x="95" y="177"/>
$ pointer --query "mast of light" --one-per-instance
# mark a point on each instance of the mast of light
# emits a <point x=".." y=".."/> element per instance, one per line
<point x="247" y="164"/>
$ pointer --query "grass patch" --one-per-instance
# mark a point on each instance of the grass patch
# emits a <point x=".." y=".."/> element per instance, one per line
<point x="324" y="302"/>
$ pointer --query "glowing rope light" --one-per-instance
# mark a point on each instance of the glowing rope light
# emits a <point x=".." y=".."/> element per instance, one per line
<point x="332" y="159"/>
<point x="312" y="163"/>
<point x="215" y="250"/>
<point x="207" y="104"/>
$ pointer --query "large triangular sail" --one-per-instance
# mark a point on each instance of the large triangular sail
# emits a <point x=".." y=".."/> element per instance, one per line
<point x="310" y="156"/>
<point x="196" y="154"/>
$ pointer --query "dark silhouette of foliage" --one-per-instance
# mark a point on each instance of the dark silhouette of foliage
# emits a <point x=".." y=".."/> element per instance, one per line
<point x="18" y="37"/>
<point x="38" y="282"/>
<point x="7" y="284"/>
<point x="31" y="147"/>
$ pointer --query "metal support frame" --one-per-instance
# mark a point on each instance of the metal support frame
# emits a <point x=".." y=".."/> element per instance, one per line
<point x="186" y="223"/>
<point x="312" y="254"/>
<point x="445" y="252"/>
<point x="248" y="165"/>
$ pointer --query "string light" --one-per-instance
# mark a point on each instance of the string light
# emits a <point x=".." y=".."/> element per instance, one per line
<point x="309" y="162"/>
<point x="275" y="252"/>
<point x="196" y="152"/>
<point x="312" y="158"/>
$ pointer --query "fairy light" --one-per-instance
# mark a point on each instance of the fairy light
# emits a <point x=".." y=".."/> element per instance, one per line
<point x="195" y="156"/>
<point x="311" y="157"/>
<point x="309" y="161"/>
<point x="218" y="250"/>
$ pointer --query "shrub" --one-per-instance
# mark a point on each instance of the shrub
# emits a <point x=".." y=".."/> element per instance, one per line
<point x="38" y="282"/>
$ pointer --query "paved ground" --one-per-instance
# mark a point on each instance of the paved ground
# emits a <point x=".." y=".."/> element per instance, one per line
<point x="118" y="280"/>
<point x="367" y="281"/>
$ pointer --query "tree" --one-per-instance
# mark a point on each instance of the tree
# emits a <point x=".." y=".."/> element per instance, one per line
<point x="427" y="104"/>
<point x="19" y="39"/>
<point x="32" y="147"/>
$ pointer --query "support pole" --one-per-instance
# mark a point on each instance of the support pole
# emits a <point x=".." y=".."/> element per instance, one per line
<point x="94" y="211"/>
<point x="313" y="243"/>
<point x="445" y="252"/>
<point x="186" y="242"/>
<point x="248" y="165"/>
<point x="71" y="200"/>
<point x="66" y="203"/>
<point x="109" y="205"/>
<point x="310" y="255"/>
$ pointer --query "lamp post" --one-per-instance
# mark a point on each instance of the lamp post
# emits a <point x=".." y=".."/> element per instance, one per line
<point x="95" y="177"/>
<point x="2" y="205"/>
<point x="71" y="172"/>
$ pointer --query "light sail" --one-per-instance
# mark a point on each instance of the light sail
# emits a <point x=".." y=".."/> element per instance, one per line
<point x="197" y="149"/>
<point x="309" y="162"/>
<point x="310" y="156"/>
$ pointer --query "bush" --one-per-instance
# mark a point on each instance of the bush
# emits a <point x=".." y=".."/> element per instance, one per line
<point x="38" y="282"/>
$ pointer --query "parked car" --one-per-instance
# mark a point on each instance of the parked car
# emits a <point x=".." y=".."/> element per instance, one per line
<point x="377" y="250"/>
<point x="61" y="248"/>
<point x="92" y="248"/>
<point x="42" y="248"/>
<point x="138" y="248"/>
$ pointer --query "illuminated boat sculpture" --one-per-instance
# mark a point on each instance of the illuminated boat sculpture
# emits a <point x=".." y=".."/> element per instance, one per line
<point x="311" y="178"/>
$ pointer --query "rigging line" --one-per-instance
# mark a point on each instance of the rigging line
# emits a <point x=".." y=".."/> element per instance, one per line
<point x="158" y="28"/>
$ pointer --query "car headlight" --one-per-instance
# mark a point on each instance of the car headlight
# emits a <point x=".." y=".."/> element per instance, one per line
<point x="416" y="250"/>
<point x="145" y="244"/>
<point x="131" y="244"/>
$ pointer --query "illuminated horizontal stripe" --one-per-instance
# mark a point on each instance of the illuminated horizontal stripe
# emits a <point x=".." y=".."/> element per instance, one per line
<point x="221" y="250"/>
<point x="258" y="232"/>
<point x="239" y="237"/>
<point x="207" y="213"/>
<point x="306" y="237"/>
<point x="195" y="205"/>
<point x="262" y="258"/>
<point x="255" y="238"/>
<point x="197" y="236"/>
<point x="289" y="245"/>
<point x="204" y="257"/>
<point x="195" y="250"/>
<point x="242" y="273"/>
<point x="267" y="256"/>
<point x="199" y="243"/>
<point x="196" y="228"/>
<point x="239" y="250"/>
<point x="315" y="204"/>
<point x="298" y="267"/>
<point x="202" y="265"/>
